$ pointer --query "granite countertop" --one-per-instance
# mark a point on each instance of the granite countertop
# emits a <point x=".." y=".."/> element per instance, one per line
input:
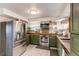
<point x="65" y="43"/>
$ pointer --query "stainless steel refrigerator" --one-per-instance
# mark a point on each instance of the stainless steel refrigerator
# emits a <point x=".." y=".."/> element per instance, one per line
<point x="6" y="38"/>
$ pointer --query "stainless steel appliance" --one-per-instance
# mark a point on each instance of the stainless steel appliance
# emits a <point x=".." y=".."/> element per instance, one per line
<point x="44" y="40"/>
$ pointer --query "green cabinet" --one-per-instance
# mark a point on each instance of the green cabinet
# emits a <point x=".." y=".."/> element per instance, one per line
<point x="34" y="39"/>
<point x="73" y="54"/>
<point x="75" y="44"/>
<point x="61" y="49"/>
<point x="66" y="53"/>
<point x="27" y="39"/>
<point x="52" y="41"/>
<point x="59" y="46"/>
<point x="74" y="29"/>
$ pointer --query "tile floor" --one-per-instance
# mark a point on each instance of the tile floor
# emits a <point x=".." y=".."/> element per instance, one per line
<point x="31" y="50"/>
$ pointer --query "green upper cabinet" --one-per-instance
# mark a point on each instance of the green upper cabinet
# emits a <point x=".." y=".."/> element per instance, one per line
<point x="34" y="39"/>
<point x="74" y="18"/>
<point x="52" y="41"/>
<point x="74" y="29"/>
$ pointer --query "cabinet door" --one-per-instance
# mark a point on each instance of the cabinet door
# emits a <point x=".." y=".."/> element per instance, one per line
<point x="75" y="44"/>
<point x="72" y="54"/>
<point x="27" y="39"/>
<point x="35" y="39"/>
<point x="66" y="53"/>
<point x="74" y="18"/>
<point x="59" y="46"/>
<point x="52" y="41"/>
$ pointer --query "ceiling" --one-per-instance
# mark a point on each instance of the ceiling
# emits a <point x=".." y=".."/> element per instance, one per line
<point x="46" y="9"/>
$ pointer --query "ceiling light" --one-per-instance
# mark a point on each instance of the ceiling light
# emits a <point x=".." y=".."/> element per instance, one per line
<point x="33" y="11"/>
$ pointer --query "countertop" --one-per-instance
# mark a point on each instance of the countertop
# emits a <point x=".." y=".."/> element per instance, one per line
<point x="40" y="33"/>
<point x="65" y="43"/>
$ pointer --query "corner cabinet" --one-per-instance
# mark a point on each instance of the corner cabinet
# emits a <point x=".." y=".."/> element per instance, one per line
<point x="52" y="41"/>
<point x="74" y="30"/>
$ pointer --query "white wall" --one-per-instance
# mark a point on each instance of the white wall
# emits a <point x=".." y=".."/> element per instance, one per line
<point x="36" y="23"/>
<point x="66" y="12"/>
<point x="62" y="26"/>
<point x="42" y="19"/>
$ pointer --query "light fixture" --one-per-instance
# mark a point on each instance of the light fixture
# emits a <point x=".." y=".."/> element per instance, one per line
<point x="33" y="11"/>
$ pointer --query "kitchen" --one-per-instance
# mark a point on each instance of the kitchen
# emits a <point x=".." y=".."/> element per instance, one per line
<point x="39" y="29"/>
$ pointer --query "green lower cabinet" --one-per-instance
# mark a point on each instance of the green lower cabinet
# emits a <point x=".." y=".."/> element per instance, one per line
<point x="66" y="53"/>
<point x="52" y="41"/>
<point x="34" y="39"/>
<point x="75" y="44"/>
<point x="59" y="46"/>
<point x="73" y="54"/>
<point x="61" y="50"/>
<point x="27" y="40"/>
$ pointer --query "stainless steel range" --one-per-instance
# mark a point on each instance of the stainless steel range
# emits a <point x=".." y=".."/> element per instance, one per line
<point x="44" y="40"/>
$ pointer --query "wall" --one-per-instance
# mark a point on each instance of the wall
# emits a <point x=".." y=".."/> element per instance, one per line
<point x="36" y="22"/>
<point x="42" y="19"/>
<point x="62" y="26"/>
<point x="34" y="25"/>
<point x="66" y="11"/>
